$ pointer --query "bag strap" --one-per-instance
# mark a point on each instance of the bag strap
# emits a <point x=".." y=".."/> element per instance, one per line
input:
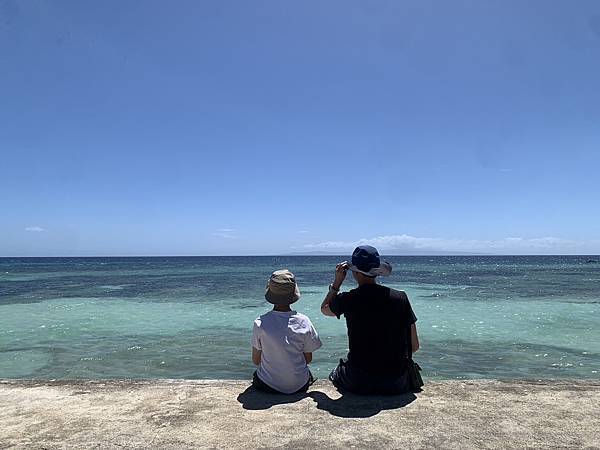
<point x="409" y="341"/>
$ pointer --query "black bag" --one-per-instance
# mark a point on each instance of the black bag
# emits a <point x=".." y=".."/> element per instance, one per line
<point x="415" y="382"/>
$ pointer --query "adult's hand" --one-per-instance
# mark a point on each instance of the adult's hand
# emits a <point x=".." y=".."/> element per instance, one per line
<point x="340" y="274"/>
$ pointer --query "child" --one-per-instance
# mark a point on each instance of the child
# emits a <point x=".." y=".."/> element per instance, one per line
<point x="283" y="340"/>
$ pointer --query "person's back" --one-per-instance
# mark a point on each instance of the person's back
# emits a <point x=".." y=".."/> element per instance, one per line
<point x="377" y="340"/>
<point x="283" y="340"/>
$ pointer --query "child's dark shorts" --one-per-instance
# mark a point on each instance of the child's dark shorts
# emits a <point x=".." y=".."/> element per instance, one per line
<point x="262" y="386"/>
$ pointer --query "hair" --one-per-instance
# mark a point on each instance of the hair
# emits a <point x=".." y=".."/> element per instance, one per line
<point x="360" y="274"/>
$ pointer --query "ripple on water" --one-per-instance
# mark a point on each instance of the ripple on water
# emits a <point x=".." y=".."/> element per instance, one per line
<point x="22" y="363"/>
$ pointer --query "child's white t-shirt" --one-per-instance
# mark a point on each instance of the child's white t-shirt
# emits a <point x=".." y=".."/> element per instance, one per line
<point x="283" y="338"/>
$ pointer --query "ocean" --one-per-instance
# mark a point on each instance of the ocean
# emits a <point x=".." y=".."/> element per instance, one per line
<point x="191" y="317"/>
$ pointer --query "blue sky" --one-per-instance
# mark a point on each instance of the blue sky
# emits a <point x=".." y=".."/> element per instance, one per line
<point x="184" y="128"/>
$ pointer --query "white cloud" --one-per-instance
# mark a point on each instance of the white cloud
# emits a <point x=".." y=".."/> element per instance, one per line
<point x="225" y="233"/>
<point x="515" y="245"/>
<point x="303" y="231"/>
<point x="35" y="229"/>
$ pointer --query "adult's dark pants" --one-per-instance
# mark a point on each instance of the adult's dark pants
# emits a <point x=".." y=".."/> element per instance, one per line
<point x="347" y="377"/>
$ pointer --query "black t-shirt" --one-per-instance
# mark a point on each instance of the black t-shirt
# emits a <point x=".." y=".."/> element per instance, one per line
<point x="378" y="320"/>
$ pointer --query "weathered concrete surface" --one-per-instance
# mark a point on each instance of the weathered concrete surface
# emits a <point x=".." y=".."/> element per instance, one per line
<point x="225" y="414"/>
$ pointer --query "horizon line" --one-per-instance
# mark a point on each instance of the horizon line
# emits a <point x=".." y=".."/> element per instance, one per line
<point x="299" y="254"/>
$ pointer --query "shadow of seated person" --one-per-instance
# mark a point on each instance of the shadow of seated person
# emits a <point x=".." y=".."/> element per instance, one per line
<point x="255" y="399"/>
<point x="354" y="405"/>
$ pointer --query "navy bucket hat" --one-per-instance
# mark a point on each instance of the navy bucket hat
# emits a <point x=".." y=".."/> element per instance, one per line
<point x="366" y="260"/>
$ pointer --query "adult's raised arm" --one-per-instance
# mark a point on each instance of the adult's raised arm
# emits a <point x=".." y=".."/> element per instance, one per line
<point x="325" y="309"/>
<point x="334" y="288"/>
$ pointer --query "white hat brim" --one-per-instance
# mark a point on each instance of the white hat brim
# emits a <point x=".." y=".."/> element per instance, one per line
<point x="384" y="269"/>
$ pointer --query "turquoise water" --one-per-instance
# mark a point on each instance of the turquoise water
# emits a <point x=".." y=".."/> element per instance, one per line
<point x="478" y="317"/>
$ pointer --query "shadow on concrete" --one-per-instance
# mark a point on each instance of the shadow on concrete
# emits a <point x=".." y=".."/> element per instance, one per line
<point x="352" y="405"/>
<point x="252" y="398"/>
<point x="348" y="405"/>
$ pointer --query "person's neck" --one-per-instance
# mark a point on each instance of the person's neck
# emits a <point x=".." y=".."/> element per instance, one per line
<point x="367" y="281"/>
<point x="282" y="308"/>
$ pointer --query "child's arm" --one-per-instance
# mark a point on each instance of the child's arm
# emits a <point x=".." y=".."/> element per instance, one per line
<point x="256" y="356"/>
<point x="311" y="342"/>
<point x="256" y="346"/>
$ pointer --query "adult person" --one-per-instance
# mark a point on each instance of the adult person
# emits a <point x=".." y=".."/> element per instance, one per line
<point x="381" y="327"/>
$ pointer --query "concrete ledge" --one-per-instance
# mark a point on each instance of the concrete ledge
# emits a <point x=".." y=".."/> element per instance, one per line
<point x="226" y="414"/>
